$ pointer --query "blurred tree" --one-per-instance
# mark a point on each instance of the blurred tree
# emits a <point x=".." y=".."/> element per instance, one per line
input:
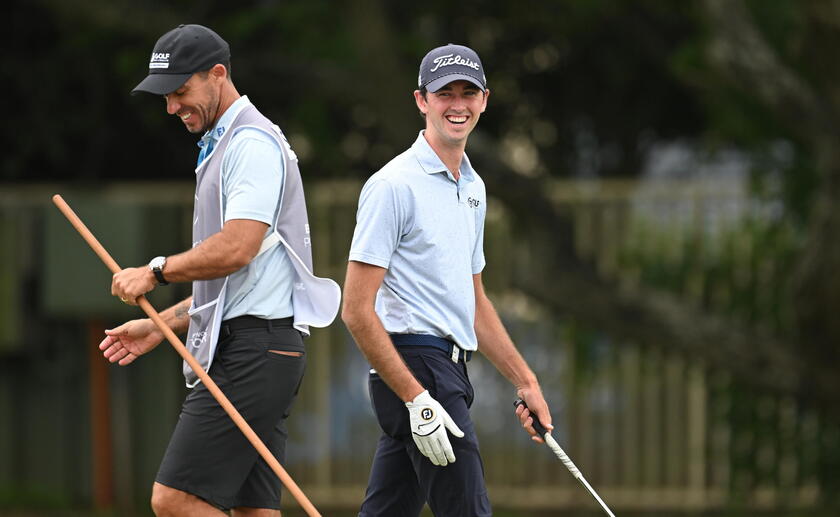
<point x="783" y="62"/>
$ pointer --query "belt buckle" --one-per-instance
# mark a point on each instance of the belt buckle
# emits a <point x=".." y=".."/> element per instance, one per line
<point x="455" y="353"/>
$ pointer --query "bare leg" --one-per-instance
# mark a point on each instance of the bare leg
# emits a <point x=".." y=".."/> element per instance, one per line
<point x="254" y="512"/>
<point x="169" y="502"/>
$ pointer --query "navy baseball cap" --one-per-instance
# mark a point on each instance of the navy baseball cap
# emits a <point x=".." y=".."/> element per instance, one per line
<point x="450" y="63"/>
<point x="179" y="54"/>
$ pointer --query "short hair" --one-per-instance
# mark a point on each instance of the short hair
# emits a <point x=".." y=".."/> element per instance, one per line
<point x="423" y="92"/>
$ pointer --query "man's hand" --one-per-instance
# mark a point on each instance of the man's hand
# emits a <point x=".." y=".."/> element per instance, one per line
<point x="130" y="340"/>
<point x="132" y="282"/>
<point x="536" y="406"/>
<point x="429" y="422"/>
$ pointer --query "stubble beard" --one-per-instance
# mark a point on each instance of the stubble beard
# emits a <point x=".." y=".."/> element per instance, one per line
<point x="209" y="113"/>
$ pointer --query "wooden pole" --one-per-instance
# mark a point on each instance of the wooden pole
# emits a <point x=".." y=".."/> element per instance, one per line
<point x="176" y="343"/>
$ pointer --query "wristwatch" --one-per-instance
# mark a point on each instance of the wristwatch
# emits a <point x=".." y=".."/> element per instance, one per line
<point x="156" y="265"/>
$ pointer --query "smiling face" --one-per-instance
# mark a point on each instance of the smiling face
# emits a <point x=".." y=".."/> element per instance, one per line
<point x="197" y="102"/>
<point x="451" y="112"/>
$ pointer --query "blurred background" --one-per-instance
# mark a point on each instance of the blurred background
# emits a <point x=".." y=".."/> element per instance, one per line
<point x="662" y="241"/>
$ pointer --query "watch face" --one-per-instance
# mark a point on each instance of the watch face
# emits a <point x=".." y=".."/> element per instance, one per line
<point x="157" y="262"/>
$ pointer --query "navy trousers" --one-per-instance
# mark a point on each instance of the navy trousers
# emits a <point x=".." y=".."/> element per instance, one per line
<point x="401" y="478"/>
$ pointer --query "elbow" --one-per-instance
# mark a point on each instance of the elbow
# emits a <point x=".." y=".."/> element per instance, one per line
<point x="239" y="258"/>
<point x="351" y="315"/>
<point x="347" y="315"/>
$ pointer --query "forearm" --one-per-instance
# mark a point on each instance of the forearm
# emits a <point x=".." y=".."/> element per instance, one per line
<point x="177" y="317"/>
<point x="495" y="343"/>
<point x="215" y="257"/>
<point x="376" y="346"/>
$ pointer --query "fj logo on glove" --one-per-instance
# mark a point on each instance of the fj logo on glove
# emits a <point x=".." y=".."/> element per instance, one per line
<point x="427" y="414"/>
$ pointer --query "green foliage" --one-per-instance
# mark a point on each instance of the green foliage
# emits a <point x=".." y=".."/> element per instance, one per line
<point x="741" y="271"/>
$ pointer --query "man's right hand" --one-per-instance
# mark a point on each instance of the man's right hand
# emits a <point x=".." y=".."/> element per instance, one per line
<point x="429" y="422"/>
<point x="130" y="340"/>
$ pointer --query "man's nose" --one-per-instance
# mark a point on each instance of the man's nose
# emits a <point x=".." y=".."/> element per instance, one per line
<point x="172" y="106"/>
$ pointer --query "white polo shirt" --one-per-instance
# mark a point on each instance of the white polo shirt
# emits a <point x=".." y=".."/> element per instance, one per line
<point x="427" y="230"/>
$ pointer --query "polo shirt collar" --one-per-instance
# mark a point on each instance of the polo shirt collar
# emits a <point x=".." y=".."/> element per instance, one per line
<point x="224" y="122"/>
<point x="431" y="162"/>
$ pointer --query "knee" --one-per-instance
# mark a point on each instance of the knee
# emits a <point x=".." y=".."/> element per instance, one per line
<point x="163" y="501"/>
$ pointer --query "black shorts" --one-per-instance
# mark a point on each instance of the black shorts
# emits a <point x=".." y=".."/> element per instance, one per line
<point x="401" y="478"/>
<point x="208" y="456"/>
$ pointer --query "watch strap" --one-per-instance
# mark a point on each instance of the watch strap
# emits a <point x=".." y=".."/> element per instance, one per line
<point x="159" y="275"/>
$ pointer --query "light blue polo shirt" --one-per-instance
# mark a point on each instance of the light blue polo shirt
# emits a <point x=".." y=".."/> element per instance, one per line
<point x="252" y="179"/>
<point x="427" y="230"/>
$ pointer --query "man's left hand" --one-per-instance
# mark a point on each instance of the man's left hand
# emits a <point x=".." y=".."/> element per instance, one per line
<point x="537" y="408"/>
<point x="131" y="283"/>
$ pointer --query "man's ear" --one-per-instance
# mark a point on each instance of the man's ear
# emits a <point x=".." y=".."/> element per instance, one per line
<point x="219" y="71"/>
<point x="420" y="100"/>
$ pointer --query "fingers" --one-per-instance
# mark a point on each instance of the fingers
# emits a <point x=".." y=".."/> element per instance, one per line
<point x="434" y="446"/>
<point x="112" y="348"/>
<point x="448" y="453"/>
<point x="528" y="424"/>
<point x="115" y="352"/>
<point x="539" y="409"/>
<point x="535" y="405"/>
<point x="128" y="359"/>
<point x="131" y="283"/>
<point x="421" y="443"/>
<point x="438" y="456"/>
<point x="122" y="330"/>
<point x="452" y="426"/>
<point x="107" y="342"/>
<point x="429" y="423"/>
<point x="526" y="418"/>
<point x="437" y="449"/>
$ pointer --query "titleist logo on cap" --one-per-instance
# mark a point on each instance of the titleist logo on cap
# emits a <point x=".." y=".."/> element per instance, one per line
<point x="448" y="60"/>
<point x="443" y="65"/>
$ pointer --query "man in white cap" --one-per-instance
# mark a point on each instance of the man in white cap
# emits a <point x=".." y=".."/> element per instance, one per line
<point x="252" y="297"/>
<point x="416" y="306"/>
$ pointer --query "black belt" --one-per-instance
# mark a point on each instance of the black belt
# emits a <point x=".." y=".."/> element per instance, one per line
<point x="252" y="322"/>
<point x="437" y="342"/>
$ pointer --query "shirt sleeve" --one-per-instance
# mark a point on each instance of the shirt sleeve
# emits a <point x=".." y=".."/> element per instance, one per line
<point x="252" y="176"/>
<point x="379" y="224"/>
<point x="478" y="261"/>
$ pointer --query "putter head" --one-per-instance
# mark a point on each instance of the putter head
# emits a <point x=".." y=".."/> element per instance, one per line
<point x="538" y="427"/>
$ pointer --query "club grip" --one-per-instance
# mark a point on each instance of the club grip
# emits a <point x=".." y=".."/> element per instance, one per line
<point x="538" y="427"/>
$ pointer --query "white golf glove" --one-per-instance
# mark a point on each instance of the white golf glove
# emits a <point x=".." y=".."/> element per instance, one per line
<point x="429" y="422"/>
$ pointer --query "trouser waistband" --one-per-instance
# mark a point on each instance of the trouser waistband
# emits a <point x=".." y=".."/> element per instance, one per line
<point x="455" y="352"/>
<point x="252" y="322"/>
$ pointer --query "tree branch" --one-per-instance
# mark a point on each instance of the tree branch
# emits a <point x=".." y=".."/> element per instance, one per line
<point x="738" y="48"/>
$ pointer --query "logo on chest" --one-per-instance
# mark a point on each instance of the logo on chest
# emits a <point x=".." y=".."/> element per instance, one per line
<point x="473" y="202"/>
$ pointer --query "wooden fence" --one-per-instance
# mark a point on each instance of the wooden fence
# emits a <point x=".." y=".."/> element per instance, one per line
<point x="650" y="430"/>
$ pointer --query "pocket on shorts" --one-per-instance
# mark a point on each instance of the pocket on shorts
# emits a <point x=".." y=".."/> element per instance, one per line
<point x="278" y="354"/>
<point x="284" y="346"/>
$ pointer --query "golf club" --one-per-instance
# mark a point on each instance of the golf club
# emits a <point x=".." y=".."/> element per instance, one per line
<point x="560" y="453"/>
<point x="220" y="397"/>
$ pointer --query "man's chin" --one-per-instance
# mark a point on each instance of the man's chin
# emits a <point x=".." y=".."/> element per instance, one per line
<point x="196" y="130"/>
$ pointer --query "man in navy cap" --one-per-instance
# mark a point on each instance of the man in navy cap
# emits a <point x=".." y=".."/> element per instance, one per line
<point x="251" y="295"/>
<point x="415" y="304"/>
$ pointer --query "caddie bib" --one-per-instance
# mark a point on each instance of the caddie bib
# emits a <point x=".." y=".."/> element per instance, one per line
<point x="315" y="301"/>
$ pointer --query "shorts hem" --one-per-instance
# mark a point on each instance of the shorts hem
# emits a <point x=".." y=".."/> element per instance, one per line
<point x="223" y="503"/>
